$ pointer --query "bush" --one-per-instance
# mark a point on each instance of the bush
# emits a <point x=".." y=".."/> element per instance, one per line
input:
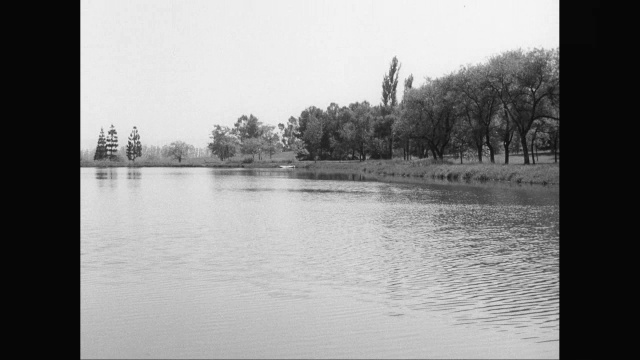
<point x="302" y="154"/>
<point x="247" y="160"/>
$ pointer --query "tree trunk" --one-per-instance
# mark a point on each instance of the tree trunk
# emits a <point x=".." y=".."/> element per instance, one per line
<point x="523" y="142"/>
<point x="506" y="153"/>
<point x="433" y="152"/>
<point x="491" y="156"/>
<point x="533" y="158"/>
<point x="479" y="149"/>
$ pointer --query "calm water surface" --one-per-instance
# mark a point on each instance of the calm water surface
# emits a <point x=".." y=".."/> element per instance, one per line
<point x="226" y="263"/>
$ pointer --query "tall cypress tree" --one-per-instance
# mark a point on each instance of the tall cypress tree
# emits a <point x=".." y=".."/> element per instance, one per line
<point x="134" y="147"/>
<point x="101" y="149"/>
<point x="112" y="143"/>
<point x="389" y="85"/>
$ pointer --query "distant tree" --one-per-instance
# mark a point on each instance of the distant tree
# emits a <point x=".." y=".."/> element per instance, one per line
<point x="269" y="140"/>
<point x="134" y="147"/>
<point x="362" y="120"/>
<point x="300" y="149"/>
<point x="303" y="119"/>
<point x="177" y="150"/>
<point x="313" y="136"/>
<point x="250" y="146"/>
<point x="112" y="143"/>
<point x="101" y="149"/>
<point x="408" y="84"/>
<point x="247" y="127"/>
<point x="288" y="132"/>
<point x="224" y="143"/>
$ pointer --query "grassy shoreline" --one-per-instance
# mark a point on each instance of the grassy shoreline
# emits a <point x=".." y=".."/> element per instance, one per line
<point x="538" y="174"/>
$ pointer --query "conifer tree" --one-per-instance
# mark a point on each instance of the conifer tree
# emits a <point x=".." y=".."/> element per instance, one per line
<point x="101" y="149"/>
<point x="134" y="147"/>
<point x="112" y="143"/>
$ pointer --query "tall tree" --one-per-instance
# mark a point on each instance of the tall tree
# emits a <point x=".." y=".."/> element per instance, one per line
<point x="384" y="125"/>
<point x="112" y="143"/>
<point x="134" y="147"/>
<point x="432" y="109"/>
<point x="101" y="149"/>
<point x="505" y="131"/>
<point x="527" y="85"/>
<point x="479" y="103"/>
<point x="390" y="83"/>
<point x="402" y="127"/>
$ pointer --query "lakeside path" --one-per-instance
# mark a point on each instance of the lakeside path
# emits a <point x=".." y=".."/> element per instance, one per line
<point x="388" y="170"/>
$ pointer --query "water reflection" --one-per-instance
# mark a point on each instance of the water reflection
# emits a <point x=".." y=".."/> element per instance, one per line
<point x="106" y="173"/>
<point x="107" y="177"/>
<point x="134" y="174"/>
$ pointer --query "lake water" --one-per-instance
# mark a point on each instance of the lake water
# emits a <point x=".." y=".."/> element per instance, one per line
<point x="241" y="263"/>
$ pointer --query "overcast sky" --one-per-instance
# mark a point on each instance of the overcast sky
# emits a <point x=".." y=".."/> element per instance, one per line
<point x="174" y="68"/>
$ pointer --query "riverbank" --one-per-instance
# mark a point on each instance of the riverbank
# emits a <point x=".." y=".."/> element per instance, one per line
<point x="540" y="174"/>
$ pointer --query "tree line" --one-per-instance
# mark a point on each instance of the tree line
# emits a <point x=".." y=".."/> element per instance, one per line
<point x="107" y="149"/>
<point x="511" y="102"/>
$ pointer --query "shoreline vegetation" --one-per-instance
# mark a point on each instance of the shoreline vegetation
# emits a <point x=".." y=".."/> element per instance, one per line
<point x="505" y="111"/>
<point x="542" y="173"/>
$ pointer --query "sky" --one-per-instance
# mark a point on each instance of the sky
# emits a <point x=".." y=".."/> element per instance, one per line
<point x="175" y="68"/>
